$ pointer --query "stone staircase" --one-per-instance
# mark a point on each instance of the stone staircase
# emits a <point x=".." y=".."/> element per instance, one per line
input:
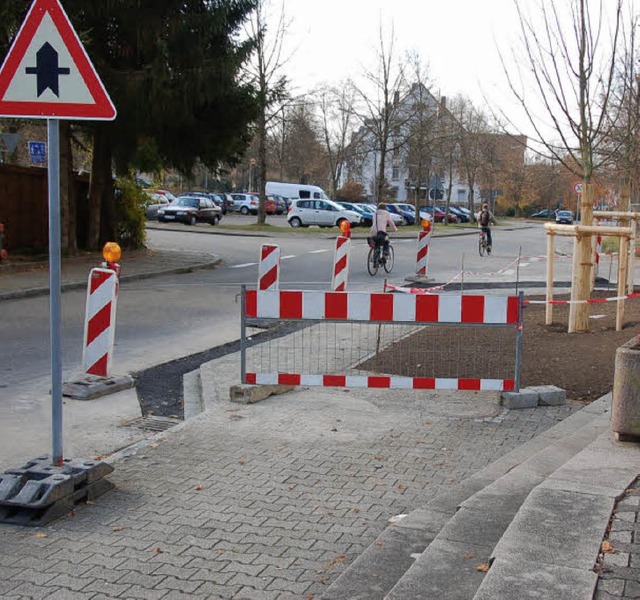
<point x="529" y="525"/>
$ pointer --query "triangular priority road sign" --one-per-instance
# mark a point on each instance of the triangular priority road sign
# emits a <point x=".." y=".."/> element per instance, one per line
<point x="47" y="73"/>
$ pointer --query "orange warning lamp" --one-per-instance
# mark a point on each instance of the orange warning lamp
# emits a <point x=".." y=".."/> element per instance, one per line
<point x="111" y="252"/>
<point x="426" y="225"/>
<point x="345" y="228"/>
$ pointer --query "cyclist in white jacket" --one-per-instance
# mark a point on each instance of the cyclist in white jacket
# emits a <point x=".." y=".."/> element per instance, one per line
<point x="381" y="220"/>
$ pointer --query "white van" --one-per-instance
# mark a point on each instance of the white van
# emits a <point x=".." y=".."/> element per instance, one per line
<point x="296" y="191"/>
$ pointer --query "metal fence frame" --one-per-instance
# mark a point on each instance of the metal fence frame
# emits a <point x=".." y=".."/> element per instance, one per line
<point x="337" y="381"/>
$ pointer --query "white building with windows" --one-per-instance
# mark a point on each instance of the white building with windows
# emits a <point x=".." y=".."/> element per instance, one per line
<point x="400" y="172"/>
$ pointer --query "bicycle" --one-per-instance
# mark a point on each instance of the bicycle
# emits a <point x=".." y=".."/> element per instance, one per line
<point x="482" y="244"/>
<point x="377" y="258"/>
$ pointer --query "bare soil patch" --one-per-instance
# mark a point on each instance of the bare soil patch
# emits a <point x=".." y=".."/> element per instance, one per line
<point x="580" y="363"/>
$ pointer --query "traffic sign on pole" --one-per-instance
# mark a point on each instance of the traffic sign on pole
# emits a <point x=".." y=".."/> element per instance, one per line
<point x="47" y="73"/>
<point x="578" y="188"/>
<point x="38" y="152"/>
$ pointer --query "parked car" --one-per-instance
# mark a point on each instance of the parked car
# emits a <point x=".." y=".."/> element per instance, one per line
<point x="408" y="218"/>
<point x="281" y="203"/>
<point x="191" y="210"/>
<point x="437" y="215"/>
<point x="564" y="216"/>
<point x="224" y="201"/>
<point x="367" y="215"/>
<point x="154" y="203"/>
<point x="397" y="219"/>
<point x="324" y="213"/>
<point x="544" y="214"/>
<point x="458" y="212"/>
<point x="245" y="203"/>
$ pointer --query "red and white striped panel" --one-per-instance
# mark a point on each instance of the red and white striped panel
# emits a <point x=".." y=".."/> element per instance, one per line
<point x="365" y="306"/>
<point x="100" y="322"/>
<point x="381" y="381"/>
<point x="341" y="265"/>
<point x="424" y="239"/>
<point x="269" y="269"/>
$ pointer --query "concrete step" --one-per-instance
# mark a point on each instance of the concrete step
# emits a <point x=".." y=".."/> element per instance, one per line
<point x="388" y="568"/>
<point x="193" y="403"/>
<point x="469" y="537"/>
<point x="551" y="553"/>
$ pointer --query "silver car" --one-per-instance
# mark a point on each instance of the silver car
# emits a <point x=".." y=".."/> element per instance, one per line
<point x="323" y="213"/>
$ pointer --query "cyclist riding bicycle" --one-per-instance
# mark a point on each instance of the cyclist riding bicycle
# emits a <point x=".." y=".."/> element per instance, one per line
<point x="485" y="220"/>
<point x="381" y="220"/>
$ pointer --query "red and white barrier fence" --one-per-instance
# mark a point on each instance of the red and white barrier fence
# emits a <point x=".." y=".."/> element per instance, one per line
<point x="269" y="268"/>
<point x="381" y="381"/>
<point x="381" y="307"/>
<point x="100" y="322"/>
<point x="370" y="308"/>
<point x="340" y="274"/>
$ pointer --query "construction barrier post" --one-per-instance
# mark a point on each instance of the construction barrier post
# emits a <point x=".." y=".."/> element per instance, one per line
<point x="424" y="239"/>
<point x="269" y="269"/>
<point x="100" y="322"/>
<point x="341" y="265"/>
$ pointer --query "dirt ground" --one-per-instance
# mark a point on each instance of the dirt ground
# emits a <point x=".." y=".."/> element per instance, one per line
<point x="580" y="363"/>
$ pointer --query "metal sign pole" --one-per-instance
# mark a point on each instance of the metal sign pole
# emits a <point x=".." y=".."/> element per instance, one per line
<point x="55" y="316"/>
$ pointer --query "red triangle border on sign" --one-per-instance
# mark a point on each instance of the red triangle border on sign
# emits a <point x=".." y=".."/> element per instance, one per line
<point x="101" y="109"/>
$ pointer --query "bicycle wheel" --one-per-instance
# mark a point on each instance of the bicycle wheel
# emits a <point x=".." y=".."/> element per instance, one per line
<point x="372" y="261"/>
<point x="481" y="246"/>
<point x="388" y="263"/>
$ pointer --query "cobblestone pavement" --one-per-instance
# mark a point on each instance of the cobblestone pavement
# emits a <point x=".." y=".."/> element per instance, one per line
<point x="271" y="500"/>
<point x="620" y="569"/>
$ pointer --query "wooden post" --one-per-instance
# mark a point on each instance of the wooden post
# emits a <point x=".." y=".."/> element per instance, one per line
<point x="548" y="319"/>
<point x="574" y="287"/>
<point x="623" y="261"/>
<point x="632" y="258"/>
<point x="581" y="285"/>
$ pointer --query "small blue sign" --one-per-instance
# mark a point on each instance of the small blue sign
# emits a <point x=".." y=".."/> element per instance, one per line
<point x="38" y="152"/>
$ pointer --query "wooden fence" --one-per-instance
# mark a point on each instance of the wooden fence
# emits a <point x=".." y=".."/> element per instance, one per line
<point x="24" y="207"/>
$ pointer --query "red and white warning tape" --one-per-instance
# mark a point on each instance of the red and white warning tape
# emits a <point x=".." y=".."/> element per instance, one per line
<point x="591" y="301"/>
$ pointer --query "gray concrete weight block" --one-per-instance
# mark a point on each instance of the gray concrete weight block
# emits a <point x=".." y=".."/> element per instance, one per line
<point x="550" y="395"/>
<point x="525" y="398"/>
<point x="250" y="394"/>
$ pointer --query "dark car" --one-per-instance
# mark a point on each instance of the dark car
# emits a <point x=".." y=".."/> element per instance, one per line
<point x="544" y="214"/>
<point x="437" y="215"/>
<point x="408" y="218"/>
<point x="191" y="210"/>
<point x="224" y="201"/>
<point x="564" y="216"/>
<point x="367" y="216"/>
<point x="458" y="212"/>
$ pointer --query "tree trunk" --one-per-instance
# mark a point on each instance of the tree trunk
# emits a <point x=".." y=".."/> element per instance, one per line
<point x="67" y="190"/>
<point x="100" y="186"/>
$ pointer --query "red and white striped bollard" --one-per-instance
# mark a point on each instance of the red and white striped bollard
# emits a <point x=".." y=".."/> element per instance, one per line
<point x="100" y="322"/>
<point x="269" y="269"/>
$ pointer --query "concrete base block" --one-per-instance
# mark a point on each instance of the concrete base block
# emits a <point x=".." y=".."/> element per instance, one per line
<point x="550" y="395"/>
<point x="525" y="398"/>
<point x="625" y="408"/>
<point x="250" y="394"/>
<point x="91" y="387"/>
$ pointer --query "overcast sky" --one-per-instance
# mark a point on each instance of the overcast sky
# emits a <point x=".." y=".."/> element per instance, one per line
<point x="459" y="40"/>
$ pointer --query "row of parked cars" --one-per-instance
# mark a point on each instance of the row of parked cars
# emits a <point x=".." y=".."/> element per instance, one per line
<point x="194" y="207"/>
<point x="327" y="213"/>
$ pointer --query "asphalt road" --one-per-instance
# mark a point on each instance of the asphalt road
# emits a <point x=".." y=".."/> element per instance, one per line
<point x="173" y="316"/>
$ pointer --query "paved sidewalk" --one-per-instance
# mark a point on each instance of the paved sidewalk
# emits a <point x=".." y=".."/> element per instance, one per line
<point x="265" y="501"/>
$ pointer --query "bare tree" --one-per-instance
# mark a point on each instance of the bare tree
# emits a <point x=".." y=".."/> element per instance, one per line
<point x="381" y="113"/>
<point x="266" y="72"/>
<point x="572" y="73"/>
<point x="425" y="139"/>
<point x="336" y="108"/>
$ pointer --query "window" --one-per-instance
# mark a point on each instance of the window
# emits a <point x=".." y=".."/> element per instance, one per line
<point x="317" y="195"/>
<point x="395" y="174"/>
<point x="462" y="194"/>
<point x="304" y="194"/>
<point x="304" y="204"/>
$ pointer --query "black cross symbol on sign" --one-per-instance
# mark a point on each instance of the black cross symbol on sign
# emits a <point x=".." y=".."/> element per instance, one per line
<point x="47" y="70"/>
